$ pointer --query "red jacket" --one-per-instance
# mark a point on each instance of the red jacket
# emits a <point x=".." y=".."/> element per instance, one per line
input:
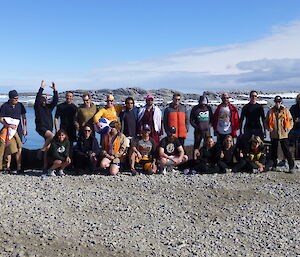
<point x="235" y="120"/>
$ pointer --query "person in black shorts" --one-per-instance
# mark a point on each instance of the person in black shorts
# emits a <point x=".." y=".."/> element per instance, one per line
<point x="43" y="118"/>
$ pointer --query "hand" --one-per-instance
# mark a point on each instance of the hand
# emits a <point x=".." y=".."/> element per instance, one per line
<point x="68" y="160"/>
<point x="53" y="86"/>
<point x="241" y="154"/>
<point x="222" y="155"/>
<point x="139" y="156"/>
<point x="196" y="153"/>
<point x="43" y="84"/>
<point x="260" y="167"/>
<point x="12" y="126"/>
<point x="25" y="132"/>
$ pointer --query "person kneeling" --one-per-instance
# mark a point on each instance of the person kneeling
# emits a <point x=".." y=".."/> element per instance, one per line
<point x="171" y="152"/>
<point x="256" y="156"/>
<point x="143" y="151"/>
<point x="113" y="147"/>
<point x="58" y="153"/>
<point x="86" y="152"/>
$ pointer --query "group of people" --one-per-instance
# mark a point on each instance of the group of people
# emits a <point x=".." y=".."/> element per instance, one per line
<point x="132" y="138"/>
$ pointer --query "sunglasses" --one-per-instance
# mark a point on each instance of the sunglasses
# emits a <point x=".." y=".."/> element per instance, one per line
<point x="109" y="101"/>
<point x="86" y="100"/>
<point x="177" y="99"/>
<point x="129" y="103"/>
<point x="253" y="95"/>
<point x="149" y="99"/>
<point x="87" y="130"/>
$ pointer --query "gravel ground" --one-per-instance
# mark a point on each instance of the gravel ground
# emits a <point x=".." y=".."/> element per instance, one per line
<point x="172" y="215"/>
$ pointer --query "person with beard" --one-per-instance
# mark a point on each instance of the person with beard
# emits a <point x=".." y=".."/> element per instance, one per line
<point x="143" y="152"/>
<point x="279" y="122"/>
<point x="43" y="118"/>
<point x="171" y="152"/>
<point x="66" y="112"/>
<point x="201" y="119"/>
<point x="226" y="119"/>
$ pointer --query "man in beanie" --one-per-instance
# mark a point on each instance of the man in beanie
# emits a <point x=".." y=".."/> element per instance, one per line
<point x="279" y="122"/>
<point x="201" y="118"/>
<point x="13" y="109"/>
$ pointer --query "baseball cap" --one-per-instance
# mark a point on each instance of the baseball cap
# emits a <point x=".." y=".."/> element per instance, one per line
<point x="278" y="99"/>
<point x="146" y="127"/>
<point x="150" y="97"/>
<point x="172" y="130"/>
<point x="12" y="94"/>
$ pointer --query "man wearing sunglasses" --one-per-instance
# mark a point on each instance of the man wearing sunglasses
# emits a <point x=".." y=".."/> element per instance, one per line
<point x="175" y="115"/>
<point x="16" y="110"/>
<point x="85" y="113"/>
<point x="150" y="114"/>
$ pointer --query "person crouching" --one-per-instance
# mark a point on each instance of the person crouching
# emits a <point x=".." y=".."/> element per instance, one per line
<point x="113" y="148"/>
<point x="171" y="152"/>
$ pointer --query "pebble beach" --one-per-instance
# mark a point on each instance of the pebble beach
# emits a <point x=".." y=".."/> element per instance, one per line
<point x="159" y="215"/>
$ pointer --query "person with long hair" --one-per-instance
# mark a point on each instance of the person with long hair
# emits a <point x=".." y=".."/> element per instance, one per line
<point x="230" y="158"/>
<point x="113" y="148"/>
<point x="58" y="153"/>
<point x="255" y="156"/>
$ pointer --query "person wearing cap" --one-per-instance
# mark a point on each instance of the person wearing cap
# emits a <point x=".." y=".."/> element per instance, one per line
<point x="151" y="114"/>
<point x="43" y="117"/>
<point x="226" y="119"/>
<point x="176" y="115"/>
<point x="16" y="110"/>
<point x="85" y="113"/>
<point x="113" y="148"/>
<point x="143" y="152"/>
<point x="171" y="152"/>
<point x="295" y="131"/>
<point x="254" y="116"/>
<point x="279" y="122"/>
<point x="66" y="112"/>
<point x="201" y="119"/>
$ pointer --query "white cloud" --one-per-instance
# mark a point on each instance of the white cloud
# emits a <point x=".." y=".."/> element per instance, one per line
<point x="272" y="63"/>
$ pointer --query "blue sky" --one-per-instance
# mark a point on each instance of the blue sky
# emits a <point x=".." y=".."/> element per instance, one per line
<point x="151" y="44"/>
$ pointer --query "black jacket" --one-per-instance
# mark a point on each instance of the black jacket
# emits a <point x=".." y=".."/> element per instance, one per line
<point x="43" y="114"/>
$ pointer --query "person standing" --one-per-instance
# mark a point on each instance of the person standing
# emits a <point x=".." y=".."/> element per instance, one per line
<point x="254" y="116"/>
<point x="150" y="114"/>
<point x="279" y="122"/>
<point x="43" y="117"/>
<point x="201" y="119"/>
<point x="128" y="118"/>
<point x="13" y="109"/>
<point x="226" y="119"/>
<point x="295" y="131"/>
<point x="85" y="113"/>
<point x="175" y="115"/>
<point x="66" y="112"/>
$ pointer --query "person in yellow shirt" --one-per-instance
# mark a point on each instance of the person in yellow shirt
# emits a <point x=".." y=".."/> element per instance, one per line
<point x="109" y="111"/>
